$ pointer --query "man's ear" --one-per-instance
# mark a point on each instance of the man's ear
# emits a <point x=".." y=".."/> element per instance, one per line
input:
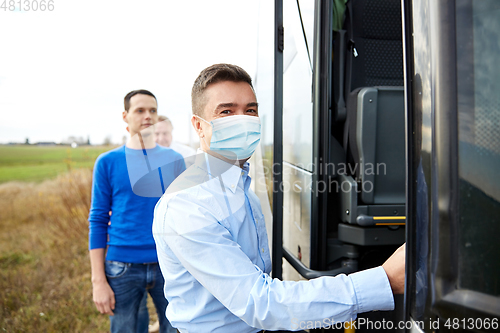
<point x="195" y="121"/>
<point x="124" y="116"/>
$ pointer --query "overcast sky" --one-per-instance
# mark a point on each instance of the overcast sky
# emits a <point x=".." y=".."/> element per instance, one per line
<point x="65" y="73"/>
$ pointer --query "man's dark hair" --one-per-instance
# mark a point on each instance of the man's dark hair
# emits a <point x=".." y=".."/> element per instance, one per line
<point x="126" y="100"/>
<point x="213" y="74"/>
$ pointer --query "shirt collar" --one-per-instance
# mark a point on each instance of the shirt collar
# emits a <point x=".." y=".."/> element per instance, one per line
<point x="215" y="167"/>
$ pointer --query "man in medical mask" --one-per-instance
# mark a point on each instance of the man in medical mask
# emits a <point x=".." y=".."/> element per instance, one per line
<point x="212" y="242"/>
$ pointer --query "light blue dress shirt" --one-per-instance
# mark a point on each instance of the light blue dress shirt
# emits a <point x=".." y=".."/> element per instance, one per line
<point x="213" y="252"/>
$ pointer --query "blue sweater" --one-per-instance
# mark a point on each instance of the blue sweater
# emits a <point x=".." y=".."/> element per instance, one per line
<point x="129" y="183"/>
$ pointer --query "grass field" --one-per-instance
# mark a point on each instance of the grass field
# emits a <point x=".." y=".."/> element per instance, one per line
<point x="44" y="267"/>
<point x="45" y="281"/>
<point x="37" y="163"/>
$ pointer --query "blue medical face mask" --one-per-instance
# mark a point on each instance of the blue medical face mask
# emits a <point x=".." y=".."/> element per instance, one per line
<point x="234" y="137"/>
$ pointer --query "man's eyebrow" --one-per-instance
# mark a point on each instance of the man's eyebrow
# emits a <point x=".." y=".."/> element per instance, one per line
<point x="232" y="105"/>
<point x="225" y="105"/>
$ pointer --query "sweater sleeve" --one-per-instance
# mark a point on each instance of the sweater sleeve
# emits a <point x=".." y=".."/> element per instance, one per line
<point x="100" y="206"/>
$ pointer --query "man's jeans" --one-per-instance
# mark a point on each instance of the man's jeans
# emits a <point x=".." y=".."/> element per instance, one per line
<point x="130" y="282"/>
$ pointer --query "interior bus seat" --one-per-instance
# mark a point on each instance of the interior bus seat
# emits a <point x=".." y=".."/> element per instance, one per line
<point x="376" y="143"/>
<point x="376" y="148"/>
<point x="374" y="44"/>
<point x="368" y="67"/>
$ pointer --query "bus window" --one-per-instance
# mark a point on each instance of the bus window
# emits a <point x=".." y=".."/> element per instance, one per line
<point x="478" y="51"/>
<point x="298" y="23"/>
<point x="455" y="206"/>
<point x="297" y="87"/>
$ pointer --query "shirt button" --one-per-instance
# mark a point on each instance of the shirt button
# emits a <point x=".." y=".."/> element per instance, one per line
<point x="232" y="186"/>
<point x="263" y="250"/>
<point x="242" y="173"/>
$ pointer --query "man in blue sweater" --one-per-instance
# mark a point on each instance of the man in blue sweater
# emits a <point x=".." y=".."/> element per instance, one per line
<point x="128" y="181"/>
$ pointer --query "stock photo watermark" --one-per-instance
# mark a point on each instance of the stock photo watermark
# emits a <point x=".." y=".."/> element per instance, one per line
<point x="27" y="5"/>
<point x="327" y="168"/>
<point x="385" y="325"/>
<point x="333" y="184"/>
<point x="145" y="174"/>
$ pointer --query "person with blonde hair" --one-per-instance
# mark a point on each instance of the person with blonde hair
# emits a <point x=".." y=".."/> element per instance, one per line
<point x="163" y="136"/>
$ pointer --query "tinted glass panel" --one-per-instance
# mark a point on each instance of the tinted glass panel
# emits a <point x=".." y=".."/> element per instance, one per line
<point x="423" y="116"/>
<point x="297" y="89"/>
<point x="264" y="88"/>
<point x="306" y="8"/>
<point x="478" y="35"/>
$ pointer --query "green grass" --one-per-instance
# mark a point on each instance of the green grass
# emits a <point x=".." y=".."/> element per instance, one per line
<point x="37" y="163"/>
<point x="45" y="276"/>
<point x="45" y="279"/>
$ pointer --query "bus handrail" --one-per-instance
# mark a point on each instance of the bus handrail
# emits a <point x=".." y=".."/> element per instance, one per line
<point x="308" y="273"/>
